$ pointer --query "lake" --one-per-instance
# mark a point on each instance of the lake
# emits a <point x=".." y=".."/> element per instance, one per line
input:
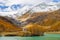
<point x="45" y="37"/>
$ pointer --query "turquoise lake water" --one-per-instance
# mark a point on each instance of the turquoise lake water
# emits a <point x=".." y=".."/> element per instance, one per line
<point x="45" y="37"/>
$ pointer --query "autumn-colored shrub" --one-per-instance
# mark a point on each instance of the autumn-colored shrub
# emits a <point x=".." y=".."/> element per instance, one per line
<point x="56" y="26"/>
<point x="35" y="29"/>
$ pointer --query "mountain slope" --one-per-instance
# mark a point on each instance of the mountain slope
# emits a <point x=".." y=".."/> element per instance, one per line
<point x="42" y="18"/>
<point x="6" y="24"/>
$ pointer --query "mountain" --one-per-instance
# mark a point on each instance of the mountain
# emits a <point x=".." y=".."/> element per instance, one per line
<point x="33" y="8"/>
<point x="39" y="7"/>
<point x="36" y="20"/>
<point x="40" y="22"/>
<point x="41" y="17"/>
<point x="7" y="25"/>
<point x="26" y="11"/>
<point x="23" y="10"/>
<point x="43" y="14"/>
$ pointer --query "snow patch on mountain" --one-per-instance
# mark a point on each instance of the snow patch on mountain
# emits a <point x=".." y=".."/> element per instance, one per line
<point x="41" y="7"/>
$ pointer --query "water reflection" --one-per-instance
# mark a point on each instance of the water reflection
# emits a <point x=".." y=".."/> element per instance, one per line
<point x="46" y="37"/>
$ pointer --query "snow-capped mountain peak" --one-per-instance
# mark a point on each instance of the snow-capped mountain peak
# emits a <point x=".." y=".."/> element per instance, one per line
<point x="23" y="10"/>
<point x="40" y="7"/>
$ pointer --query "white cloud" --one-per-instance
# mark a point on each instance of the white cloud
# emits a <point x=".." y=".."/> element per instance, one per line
<point x="24" y="1"/>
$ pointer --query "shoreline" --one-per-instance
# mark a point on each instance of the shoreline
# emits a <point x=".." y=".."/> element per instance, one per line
<point x="52" y="32"/>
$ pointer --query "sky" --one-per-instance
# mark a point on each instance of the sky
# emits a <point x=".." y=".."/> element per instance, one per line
<point x="56" y="0"/>
<point x="27" y="1"/>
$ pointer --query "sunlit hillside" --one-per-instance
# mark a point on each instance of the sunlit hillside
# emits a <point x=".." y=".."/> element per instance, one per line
<point x="7" y="25"/>
<point x="43" y="19"/>
<point x="55" y="26"/>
